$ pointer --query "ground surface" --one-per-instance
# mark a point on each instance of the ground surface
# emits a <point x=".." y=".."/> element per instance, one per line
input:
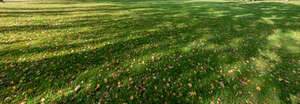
<point x="188" y="51"/>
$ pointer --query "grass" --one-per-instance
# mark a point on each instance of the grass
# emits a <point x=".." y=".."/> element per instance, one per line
<point x="180" y="51"/>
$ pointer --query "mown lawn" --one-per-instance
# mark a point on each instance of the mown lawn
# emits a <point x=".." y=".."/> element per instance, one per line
<point x="163" y="51"/>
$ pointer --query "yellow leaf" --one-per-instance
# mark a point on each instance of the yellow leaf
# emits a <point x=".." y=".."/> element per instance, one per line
<point x="131" y="97"/>
<point x="193" y="93"/>
<point x="258" y="88"/>
<point x="287" y="98"/>
<point x="97" y="87"/>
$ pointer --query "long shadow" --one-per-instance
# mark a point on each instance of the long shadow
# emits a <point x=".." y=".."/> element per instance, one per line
<point x="196" y="45"/>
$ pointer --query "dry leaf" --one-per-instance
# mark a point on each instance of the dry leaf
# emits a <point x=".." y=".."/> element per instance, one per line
<point x="190" y="85"/>
<point x="119" y="84"/>
<point x="131" y="97"/>
<point x="130" y="78"/>
<point x="77" y="88"/>
<point x="30" y="91"/>
<point x="193" y="93"/>
<point x="258" y="88"/>
<point x="222" y="84"/>
<point x="105" y="80"/>
<point x="97" y="87"/>
<point x="43" y="100"/>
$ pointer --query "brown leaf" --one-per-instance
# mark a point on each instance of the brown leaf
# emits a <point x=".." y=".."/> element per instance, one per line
<point x="30" y="91"/>
<point x="193" y="93"/>
<point x="119" y="84"/>
<point x="131" y="97"/>
<point x="97" y="87"/>
<point x="222" y="84"/>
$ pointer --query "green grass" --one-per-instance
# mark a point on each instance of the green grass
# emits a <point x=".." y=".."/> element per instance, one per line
<point x="184" y="51"/>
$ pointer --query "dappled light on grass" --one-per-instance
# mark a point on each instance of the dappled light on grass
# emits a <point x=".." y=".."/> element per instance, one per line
<point x="149" y="52"/>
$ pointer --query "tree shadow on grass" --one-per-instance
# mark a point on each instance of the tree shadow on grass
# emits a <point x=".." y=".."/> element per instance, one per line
<point x="180" y="52"/>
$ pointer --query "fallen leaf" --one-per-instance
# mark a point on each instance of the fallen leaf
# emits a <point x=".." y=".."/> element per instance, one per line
<point x="97" y="87"/>
<point x="131" y="97"/>
<point x="30" y="91"/>
<point x="119" y="84"/>
<point x="130" y="78"/>
<point x="222" y="84"/>
<point x="190" y="85"/>
<point x="180" y="94"/>
<point x="230" y="71"/>
<point x="105" y="80"/>
<point x="77" y="88"/>
<point x="43" y="100"/>
<point x="287" y="98"/>
<point x="7" y="99"/>
<point x="280" y="79"/>
<point x="258" y="88"/>
<point x="193" y="93"/>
